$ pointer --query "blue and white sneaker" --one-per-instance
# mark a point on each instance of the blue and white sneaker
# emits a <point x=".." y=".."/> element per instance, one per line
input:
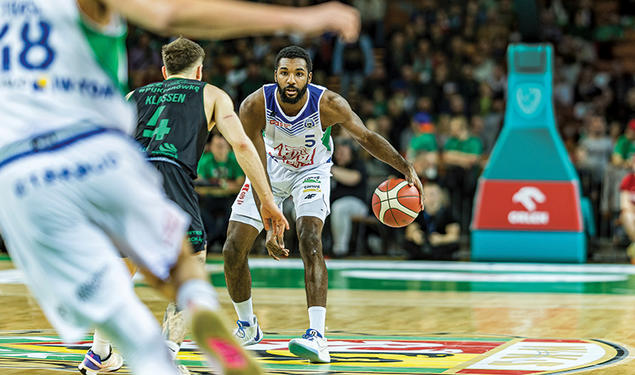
<point x="93" y="364"/>
<point x="311" y="346"/>
<point x="248" y="333"/>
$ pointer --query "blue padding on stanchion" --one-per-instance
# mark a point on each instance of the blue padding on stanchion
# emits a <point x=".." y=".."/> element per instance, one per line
<point x="518" y="246"/>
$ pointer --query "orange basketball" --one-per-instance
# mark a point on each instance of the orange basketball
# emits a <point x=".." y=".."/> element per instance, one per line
<point x="395" y="203"/>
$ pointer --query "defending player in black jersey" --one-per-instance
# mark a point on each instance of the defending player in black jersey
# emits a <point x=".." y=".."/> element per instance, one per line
<point x="175" y="117"/>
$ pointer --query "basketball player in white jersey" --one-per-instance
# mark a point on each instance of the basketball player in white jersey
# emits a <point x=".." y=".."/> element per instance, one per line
<point x="75" y="190"/>
<point x="296" y="149"/>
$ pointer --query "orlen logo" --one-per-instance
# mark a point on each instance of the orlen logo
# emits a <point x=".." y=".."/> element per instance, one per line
<point x="529" y="196"/>
<point x="275" y="122"/>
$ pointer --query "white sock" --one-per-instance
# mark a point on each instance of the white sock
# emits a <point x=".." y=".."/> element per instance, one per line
<point x="245" y="310"/>
<point x="317" y="318"/>
<point x="174" y="348"/>
<point x="101" y="345"/>
<point x="197" y="293"/>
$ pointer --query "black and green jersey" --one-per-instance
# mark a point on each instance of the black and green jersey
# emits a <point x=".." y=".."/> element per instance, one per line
<point x="171" y="121"/>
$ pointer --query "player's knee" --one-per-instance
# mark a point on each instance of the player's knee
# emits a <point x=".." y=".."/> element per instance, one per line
<point x="311" y="244"/>
<point x="232" y="251"/>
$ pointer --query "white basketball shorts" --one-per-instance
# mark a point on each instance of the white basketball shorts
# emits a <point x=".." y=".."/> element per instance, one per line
<point x="310" y="190"/>
<point x="71" y="201"/>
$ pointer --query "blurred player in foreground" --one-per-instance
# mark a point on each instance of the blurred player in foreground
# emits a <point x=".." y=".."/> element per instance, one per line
<point x="295" y="117"/>
<point x="76" y="190"/>
<point x="174" y="119"/>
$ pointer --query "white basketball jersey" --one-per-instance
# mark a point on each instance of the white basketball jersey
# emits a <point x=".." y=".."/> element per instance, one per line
<point x="56" y="70"/>
<point x="297" y="142"/>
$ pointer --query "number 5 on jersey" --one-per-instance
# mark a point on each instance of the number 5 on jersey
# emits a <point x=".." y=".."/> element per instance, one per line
<point x="309" y="140"/>
<point x="159" y="132"/>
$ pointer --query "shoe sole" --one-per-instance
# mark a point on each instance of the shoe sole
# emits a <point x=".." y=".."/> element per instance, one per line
<point x="252" y="342"/>
<point x="303" y="352"/>
<point x="212" y="337"/>
<point x="85" y="371"/>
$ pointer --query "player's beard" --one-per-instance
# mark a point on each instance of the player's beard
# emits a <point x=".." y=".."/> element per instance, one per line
<point x="299" y="93"/>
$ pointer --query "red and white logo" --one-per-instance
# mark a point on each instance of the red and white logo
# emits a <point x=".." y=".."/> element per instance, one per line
<point x="528" y="205"/>
<point x="242" y="194"/>
<point x="529" y="197"/>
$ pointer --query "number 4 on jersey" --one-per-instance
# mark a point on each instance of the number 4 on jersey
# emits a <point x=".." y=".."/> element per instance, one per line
<point x="160" y="131"/>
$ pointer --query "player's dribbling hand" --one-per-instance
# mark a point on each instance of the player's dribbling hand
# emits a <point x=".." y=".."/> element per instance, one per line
<point x="275" y="246"/>
<point x="332" y="16"/>
<point x="413" y="179"/>
<point x="272" y="218"/>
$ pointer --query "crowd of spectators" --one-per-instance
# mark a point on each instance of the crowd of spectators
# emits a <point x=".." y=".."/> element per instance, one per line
<point x="430" y="76"/>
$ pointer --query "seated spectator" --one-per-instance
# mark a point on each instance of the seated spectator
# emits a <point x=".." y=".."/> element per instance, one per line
<point x="625" y="147"/>
<point x="595" y="148"/>
<point x="461" y="156"/>
<point x="618" y="168"/>
<point x="627" y="205"/>
<point x="423" y="148"/>
<point x="348" y="197"/>
<point x="220" y="179"/>
<point x="435" y="232"/>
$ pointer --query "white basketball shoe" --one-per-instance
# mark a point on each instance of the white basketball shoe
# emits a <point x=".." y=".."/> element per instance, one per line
<point x="248" y="333"/>
<point x="312" y="346"/>
<point x="93" y="364"/>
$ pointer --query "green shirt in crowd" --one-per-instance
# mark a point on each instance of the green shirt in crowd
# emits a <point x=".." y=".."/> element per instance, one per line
<point x="624" y="147"/>
<point x="424" y="142"/>
<point x="472" y="145"/>
<point x="208" y="167"/>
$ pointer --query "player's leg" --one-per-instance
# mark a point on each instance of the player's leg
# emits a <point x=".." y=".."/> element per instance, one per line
<point x="102" y="346"/>
<point x="244" y="227"/>
<point x="149" y="229"/>
<point x="174" y="327"/>
<point x="135" y="333"/>
<point x="70" y="264"/>
<point x="313" y="345"/>
<point x="178" y="188"/>
<point x="315" y="272"/>
<point x="311" y="194"/>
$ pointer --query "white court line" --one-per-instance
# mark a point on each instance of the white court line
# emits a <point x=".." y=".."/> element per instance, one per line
<point x="456" y="266"/>
<point x="611" y="271"/>
<point x="483" y="277"/>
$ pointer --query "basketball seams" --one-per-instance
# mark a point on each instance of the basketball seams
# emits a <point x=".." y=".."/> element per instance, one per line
<point x="383" y="202"/>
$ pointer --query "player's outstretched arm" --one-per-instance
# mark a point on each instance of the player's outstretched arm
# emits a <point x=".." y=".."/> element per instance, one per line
<point x="230" y="127"/>
<point x="221" y="19"/>
<point x="252" y="116"/>
<point x="336" y="110"/>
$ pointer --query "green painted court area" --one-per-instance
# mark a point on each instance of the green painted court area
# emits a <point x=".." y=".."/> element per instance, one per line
<point x="445" y="276"/>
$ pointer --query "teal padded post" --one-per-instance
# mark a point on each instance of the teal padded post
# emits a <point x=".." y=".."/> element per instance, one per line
<point x="527" y="206"/>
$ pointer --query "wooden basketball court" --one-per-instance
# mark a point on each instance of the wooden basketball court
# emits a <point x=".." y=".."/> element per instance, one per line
<point x="391" y="317"/>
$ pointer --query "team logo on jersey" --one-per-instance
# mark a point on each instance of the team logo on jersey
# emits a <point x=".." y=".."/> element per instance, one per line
<point x="296" y="157"/>
<point x="309" y="123"/>
<point x="167" y="149"/>
<point x="432" y="354"/>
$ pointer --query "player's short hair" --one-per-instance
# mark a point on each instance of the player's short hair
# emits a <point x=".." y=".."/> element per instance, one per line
<point x="181" y="54"/>
<point x="295" y="52"/>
